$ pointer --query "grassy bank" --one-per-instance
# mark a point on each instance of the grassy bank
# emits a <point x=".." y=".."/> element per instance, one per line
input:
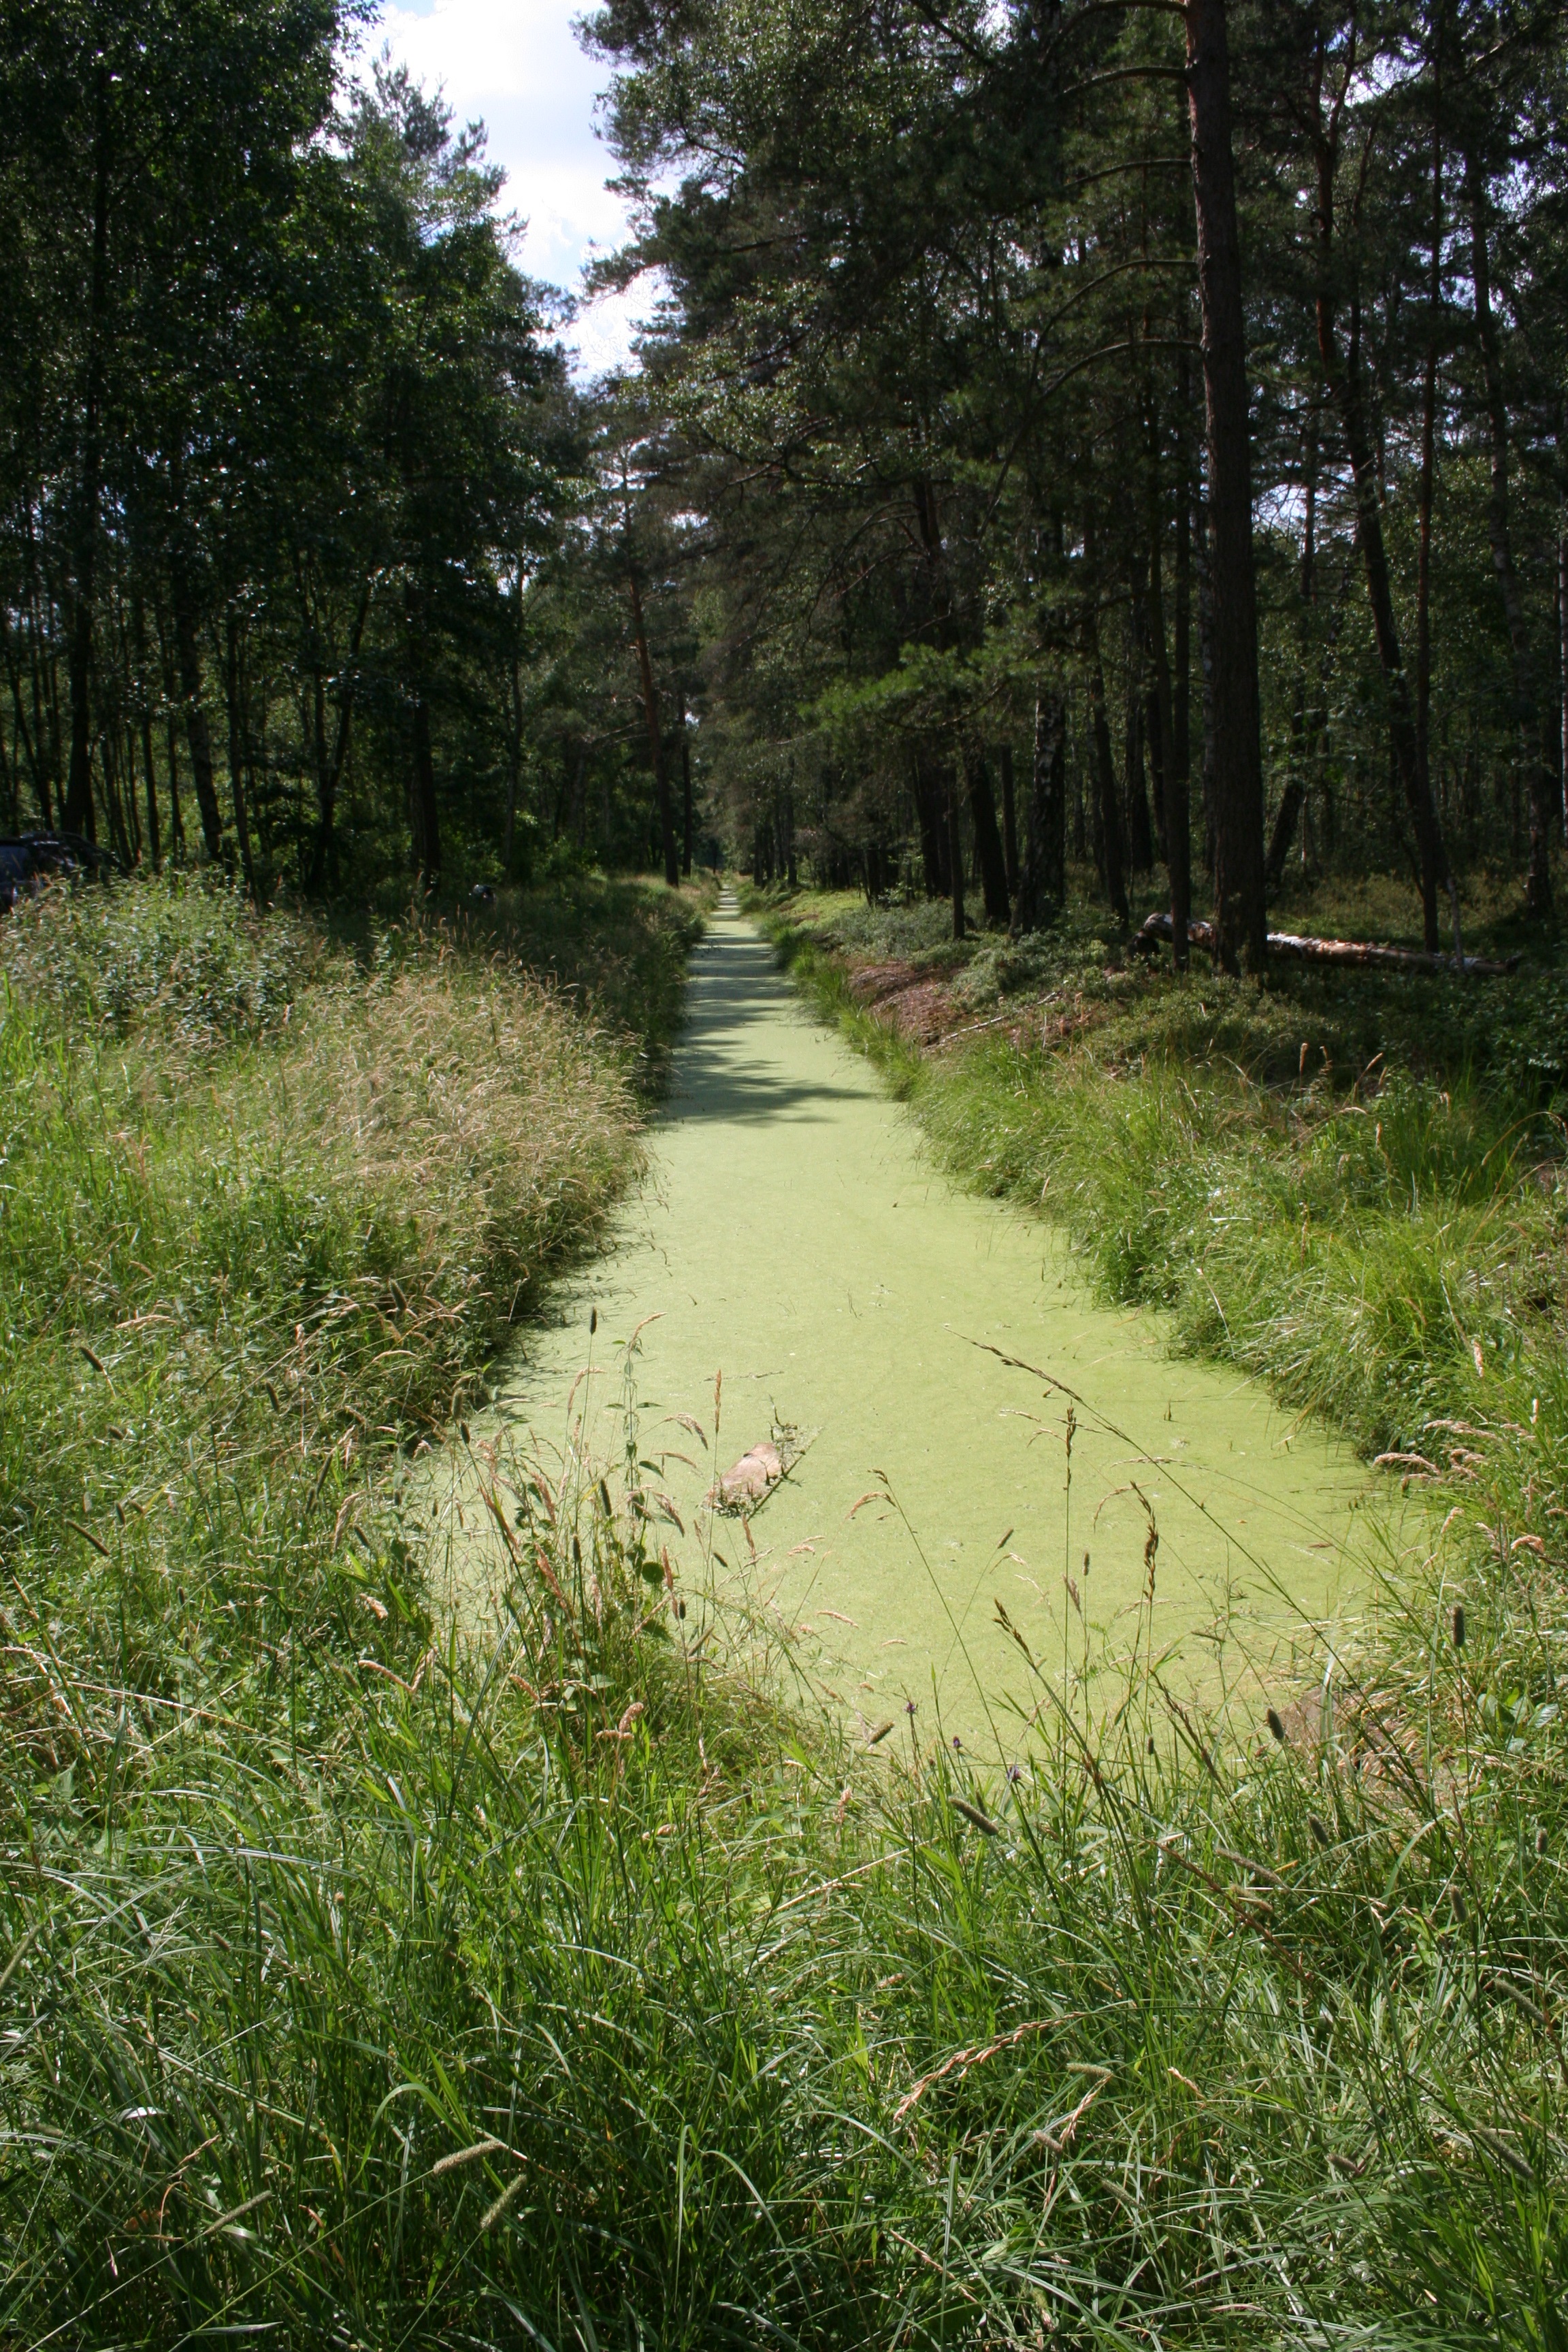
<point x="357" y="1987"/>
<point x="1352" y="1186"/>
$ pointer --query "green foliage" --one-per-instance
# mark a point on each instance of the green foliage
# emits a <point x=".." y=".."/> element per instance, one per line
<point x="928" y="368"/>
<point x="181" y="959"/>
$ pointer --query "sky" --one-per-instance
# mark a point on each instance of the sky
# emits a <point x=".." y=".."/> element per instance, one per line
<point x="516" y="66"/>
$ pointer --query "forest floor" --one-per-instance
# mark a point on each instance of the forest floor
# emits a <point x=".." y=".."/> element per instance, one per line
<point x="361" y="1985"/>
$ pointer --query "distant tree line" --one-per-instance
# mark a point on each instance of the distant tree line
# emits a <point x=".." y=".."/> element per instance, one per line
<point x="1126" y="434"/>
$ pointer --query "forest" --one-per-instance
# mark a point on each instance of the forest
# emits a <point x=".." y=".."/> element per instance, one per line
<point x="979" y="502"/>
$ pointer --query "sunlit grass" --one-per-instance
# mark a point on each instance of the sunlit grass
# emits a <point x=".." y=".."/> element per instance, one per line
<point x="575" y="1980"/>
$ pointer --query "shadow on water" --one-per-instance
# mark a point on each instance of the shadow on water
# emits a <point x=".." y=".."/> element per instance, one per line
<point x="795" y="1248"/>
<point x="725" y="1070"/>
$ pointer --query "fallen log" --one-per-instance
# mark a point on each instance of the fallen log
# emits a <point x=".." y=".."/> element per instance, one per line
<point x="1300" y="947"/>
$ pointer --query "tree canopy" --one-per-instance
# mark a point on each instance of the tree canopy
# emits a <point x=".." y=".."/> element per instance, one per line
<point x="1127" y="437"/>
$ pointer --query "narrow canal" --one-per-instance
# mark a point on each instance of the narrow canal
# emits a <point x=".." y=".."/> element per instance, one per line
<point x="793" y="1238"/>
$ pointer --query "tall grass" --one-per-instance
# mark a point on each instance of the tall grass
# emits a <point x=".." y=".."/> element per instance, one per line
<point x="573" y="1980"/>
<point x="576" y="1985"/>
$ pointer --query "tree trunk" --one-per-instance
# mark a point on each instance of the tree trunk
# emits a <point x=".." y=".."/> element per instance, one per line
<point x="154" y="841"/>
<point x="1206" y="681"/>
<point x="580" y="797"/>
<point x="1042" y="882"/>
<point x="331" y="758"/>
<point x="1170" y="793"/>
<point x="29" y="738"/>
<point x="954" y="853"/>
<point x="145" y="727"/>
<point x="786" y="817"/>
<point x="1009" y="819"/>
<point x="113" y="804"/>
<point x="656" y="739"/>
<point x="1303" y="728"/>
<point x="563" y="792"/>
<point x="171" y="736"/>
<point x="424" y="817"/>
<point x="1157" y="732"/>
<point x="1426" y="480"/>
<point x="988" y="849"/>
<point x="198" y="738"/>
<point x="1562" y="651"/>
<point x="1178" y="786"/>
<point x="1140" y="839"/>
<point x="78" y="815"/>
<point x="1109" y="825"/>
<point x="232" y="688"/>
<point x="1109" y="849"/>
<point x="1240" y="915"/>
<point x="1079" y="845"/>
<point x="930" y="814"/>
<point x="686" y="823"/>
<point x="1342" y="372"/>
<point x="1543" y="785"/>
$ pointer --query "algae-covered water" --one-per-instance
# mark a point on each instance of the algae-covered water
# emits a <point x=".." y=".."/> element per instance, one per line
<point x="793" y="1236"/>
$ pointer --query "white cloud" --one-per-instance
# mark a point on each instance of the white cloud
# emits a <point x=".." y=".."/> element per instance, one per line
<point x="516" y="66"/>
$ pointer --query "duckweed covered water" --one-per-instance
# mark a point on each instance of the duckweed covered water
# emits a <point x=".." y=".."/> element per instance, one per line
<point x="794" y="1251"/>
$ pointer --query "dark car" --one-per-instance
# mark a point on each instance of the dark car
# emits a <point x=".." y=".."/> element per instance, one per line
<point x="28" y="858"/>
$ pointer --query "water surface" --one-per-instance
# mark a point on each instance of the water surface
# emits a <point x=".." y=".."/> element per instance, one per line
<point x="793" y="1235"/>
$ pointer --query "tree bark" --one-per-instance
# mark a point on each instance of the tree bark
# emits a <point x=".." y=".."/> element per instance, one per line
<point x="1239" y="902"/>
<point x="1426" y="477"/>
<point x="145" y="727"/>
<point x="686" y="816"/>
<point x="1110" y="822"/>
<point x="988" y="848"/>
<point x="1205" y="679"/>
<point x="78" y="813"/>
<point x="113" y="804"/>
<point x="1178" y="779"/>
<point x="234" y="696"/>
<point x="656" y="739"/>
<point x="1157" y="701"/>
<point x="1303" y="726"/>
<point x="929" y="814"/>
<point x="1009" y="819"/>
<point x="1110" y="855"/>
<point x="1042" y="879"/>
<point x="28" y="737"/>
<point x="1342" y="372"/>
<point x="1542" y="783"/>
<point x="1140" y="839"/>
<point x="1181" y="668"/>
<point x="954" y="853"/>
<point x="198" y="737"/>
<point x="170" y="738"/>
<point x="424" y="817"/>
<point x="154" y="840"/>
<point x="330" y="762"/>
<point x="1562" y="652"/>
